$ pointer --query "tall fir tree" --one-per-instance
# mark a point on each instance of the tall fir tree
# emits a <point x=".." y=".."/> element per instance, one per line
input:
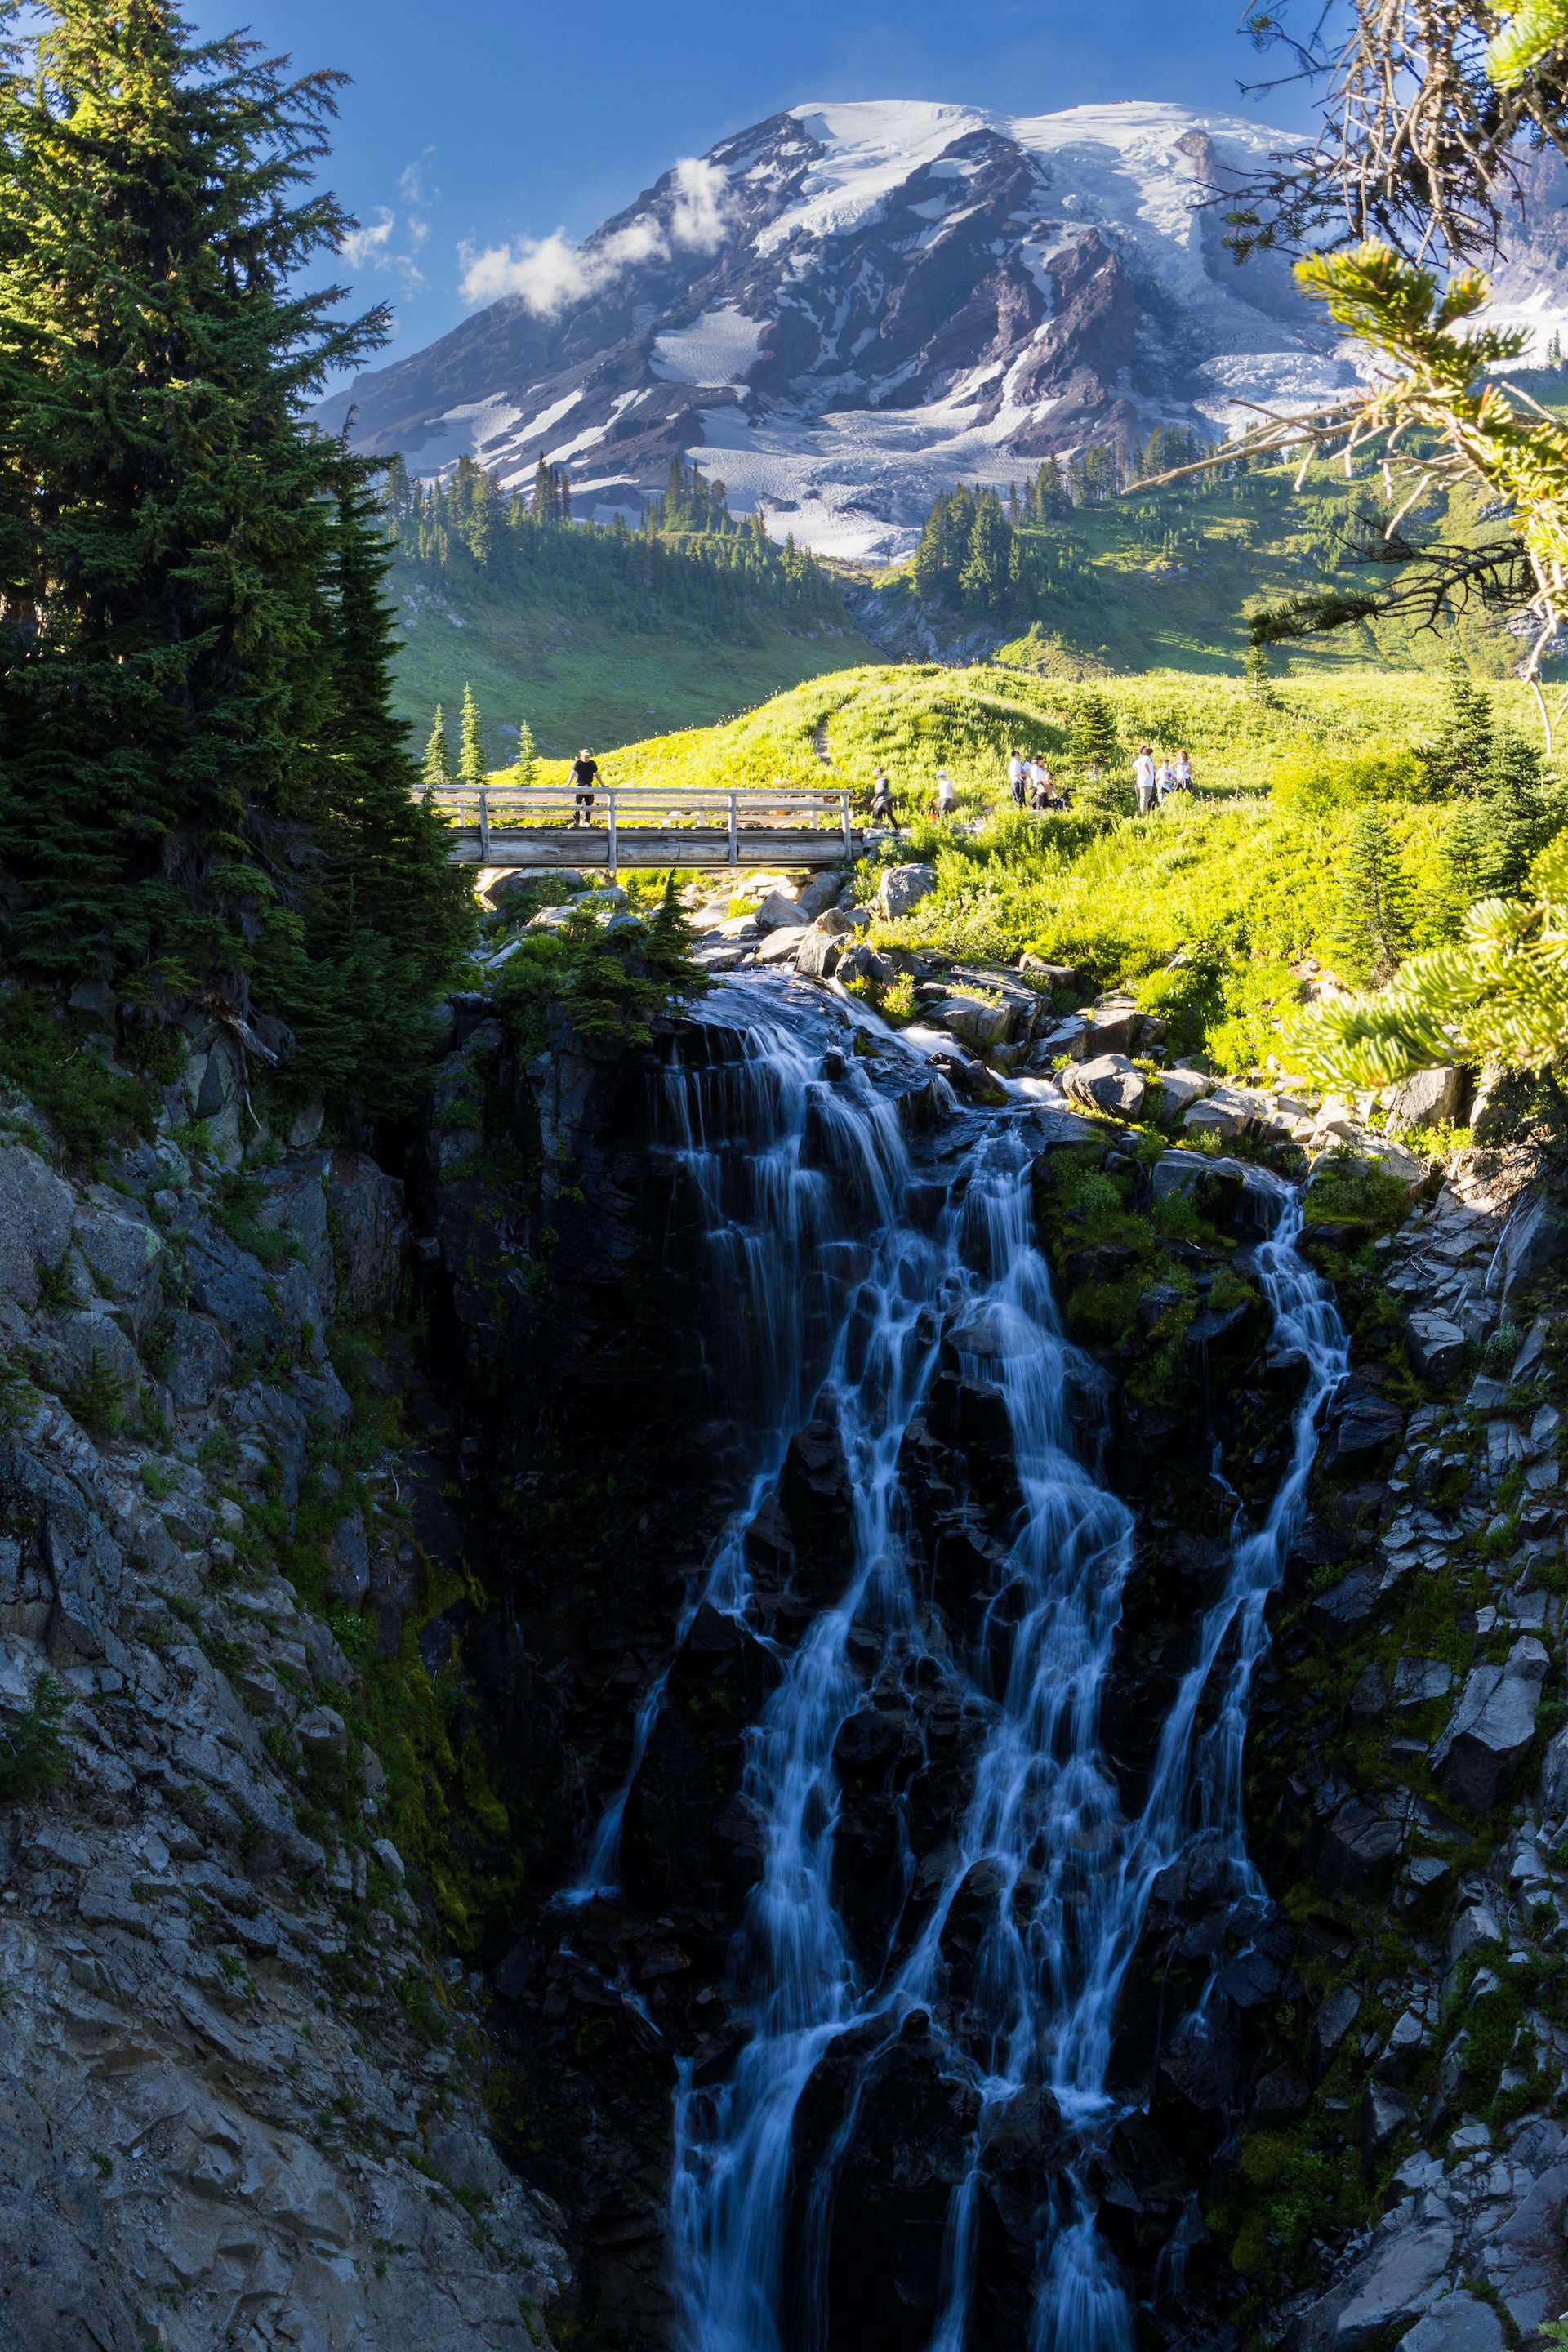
<point x="527" y="759"/>
<point x="472" y="768"/>
<point x="437" y="766"/>
<point x="174" y="536"/>
<point x="1093" y="740"/>
<point x="1373" y="922"/>
<point x="1458" y="759"/>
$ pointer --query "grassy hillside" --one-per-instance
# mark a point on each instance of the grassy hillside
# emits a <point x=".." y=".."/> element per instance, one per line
<point x="576" y="679"/>
<point x="915" y="718"/>
<point x="592" y="635"/>
<point x="1209" y="909"/>
<point x="1165" y="578"/>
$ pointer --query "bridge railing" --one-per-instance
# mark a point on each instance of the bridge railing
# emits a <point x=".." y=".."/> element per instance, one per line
<point x="496" y="809"/>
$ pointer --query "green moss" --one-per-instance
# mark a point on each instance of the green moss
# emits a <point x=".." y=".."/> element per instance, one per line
<point x="88" y="1106"/>
<point x="32" y="1753"/>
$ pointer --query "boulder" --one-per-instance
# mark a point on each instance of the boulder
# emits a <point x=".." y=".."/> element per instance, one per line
<point x="1340" y="1614"/>
<point x="1401" y="2277"/>
<point x="777" y="911"/>
<point x="1359" y="1853"/>
<point x="1476" y="1926"/>
<point x="822" y="943"/>
<point x="1430" y="1098"/>
<point x="1459" y="2323"/>
<point x="1367" y="1425"/>
<point x="1436" y="1347"/>
<point x="1108" y="1082"/>
<point x="1492" y="1729"/>
<point x="1553" y="1797"/>
<point x="816" y="896"/>
<point x="35" y="1212"/>
<point x="1213" y="1119"/>
<point x="903" y="887"/>
<point x="197" y="1362"/>
<point x="1111" y="1028"/>
<point x="122" y="1246"/>
<point x="1534" y="1235"/>
<point x="1417" y="1680"/>
<point x="348" y="1577"/>
<point x="979" y="1024"/>
<point x="1369" y="1700"/>
<point x="294" y="1202"/>
<point x="862" y="962"/>
<point x="1059" y="1038"/>
<point x="1333" y="2022"/>
<point x="781" y="945"/>
<point x="1384" y="2112"/>
<point x="1179" y="1089"/>
<point x="372" y="1232"/>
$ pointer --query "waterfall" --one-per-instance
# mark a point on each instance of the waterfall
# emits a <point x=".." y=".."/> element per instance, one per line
<point x="1044" y="1855"/>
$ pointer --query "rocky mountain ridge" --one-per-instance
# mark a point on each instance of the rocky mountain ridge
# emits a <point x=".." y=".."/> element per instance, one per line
<point x="877" y="301"/>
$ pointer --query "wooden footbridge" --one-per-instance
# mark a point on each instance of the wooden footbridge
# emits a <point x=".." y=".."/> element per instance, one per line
<point x="636" y="824"/>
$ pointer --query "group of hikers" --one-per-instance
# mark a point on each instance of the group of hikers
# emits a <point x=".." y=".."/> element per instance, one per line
<point x="1156" y="779"/>
<point x="1029" y="781"/>
<point x="1032" y="787"/>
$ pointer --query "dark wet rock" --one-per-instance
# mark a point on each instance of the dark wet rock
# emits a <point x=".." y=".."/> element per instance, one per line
<point x="1369" y="1700"/>
<point x="1347" y="1608"/>
<point x="1359" y="1853"/>
<point x="912" y="2141"/>
<point x="1367" y="1424"/>
<point x="1492" y="1729"/>
<point x="818" y="1502"/>
<point x="1333" y="2022"/>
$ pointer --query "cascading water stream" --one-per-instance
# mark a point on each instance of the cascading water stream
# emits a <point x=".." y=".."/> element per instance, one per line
<point x="1068" y="1875"/>
<point x="777" y="1169"/>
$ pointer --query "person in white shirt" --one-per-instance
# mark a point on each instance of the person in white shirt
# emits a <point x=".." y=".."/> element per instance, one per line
<point x="946" y="794"/>
<point x="1183" y="772"/>
<point x="1016" y="776"/>
<point x="1143" y="781"/>
<point x="1164" y="782"/>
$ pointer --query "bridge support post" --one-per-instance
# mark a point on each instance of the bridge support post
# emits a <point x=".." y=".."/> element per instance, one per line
<point x="844" y="812"/>
<point x="484" y="826"/>
<point x="734" y="831"/>
<point x="610" y="822"/>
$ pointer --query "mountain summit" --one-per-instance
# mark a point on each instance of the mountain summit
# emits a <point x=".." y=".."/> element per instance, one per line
<point x="851" y="306"/>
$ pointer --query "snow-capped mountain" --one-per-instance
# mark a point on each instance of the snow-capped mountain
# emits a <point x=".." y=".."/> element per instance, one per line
<point x="851" y="306"/>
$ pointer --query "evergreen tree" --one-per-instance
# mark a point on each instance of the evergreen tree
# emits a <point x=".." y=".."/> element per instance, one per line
<point x="1373" y="927"/>
<point x="1459" y="760"/>
<point x="471" y="767"/>
<point x="984" y="581"/>
<point x="1092" y="738"/>
<point x="527" y="754"/>
<point x="187" y="568"/>
<point x="438" y="768"/>
<point x="1257" y="672"/>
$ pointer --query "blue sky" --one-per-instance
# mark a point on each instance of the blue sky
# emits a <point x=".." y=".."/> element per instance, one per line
<point x="479" y="123"/>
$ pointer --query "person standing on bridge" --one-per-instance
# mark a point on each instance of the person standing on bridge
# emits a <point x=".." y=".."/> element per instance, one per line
<point x="881" y="798"/>
<point x="585" y="775"/>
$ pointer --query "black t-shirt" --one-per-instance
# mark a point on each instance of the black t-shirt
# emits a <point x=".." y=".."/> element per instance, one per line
<point x="585" y="772"/>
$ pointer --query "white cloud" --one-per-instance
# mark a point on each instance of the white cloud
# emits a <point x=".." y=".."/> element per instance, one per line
<point x="362" y="246"/>
<point x="550" y="272"/>
<point x="411" y="180"/>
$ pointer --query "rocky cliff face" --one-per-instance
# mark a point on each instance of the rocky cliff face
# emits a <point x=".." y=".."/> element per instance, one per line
<point x="241" y="2065"/>
<point x="1363" y="2144"/>
<point x="329" y="1639"/>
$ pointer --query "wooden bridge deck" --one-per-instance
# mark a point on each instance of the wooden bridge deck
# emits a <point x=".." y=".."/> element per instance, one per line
<point x="633" y="825"/>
